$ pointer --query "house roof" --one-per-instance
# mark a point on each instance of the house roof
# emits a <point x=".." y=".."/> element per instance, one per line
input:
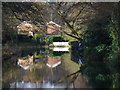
<point x="25" y="67"/>
<point x="25" y="26"/>
<point x="53" y="66"/>
<point x="51" y="22"/>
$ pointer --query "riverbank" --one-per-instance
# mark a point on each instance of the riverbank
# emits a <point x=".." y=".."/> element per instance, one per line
<point x="9" y="49"/>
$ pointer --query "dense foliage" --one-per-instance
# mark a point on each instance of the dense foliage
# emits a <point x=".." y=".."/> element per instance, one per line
<point x="102" y="50"/>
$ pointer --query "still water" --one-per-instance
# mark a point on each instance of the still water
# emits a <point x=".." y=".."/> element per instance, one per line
<point x="44" y="68"/>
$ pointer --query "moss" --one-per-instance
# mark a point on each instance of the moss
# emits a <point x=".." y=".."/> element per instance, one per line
<point x="22" y="33"/>
<point x="24" y="57"/>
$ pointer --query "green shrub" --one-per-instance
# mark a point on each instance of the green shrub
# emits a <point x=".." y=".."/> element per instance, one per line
<point x="54" y="38"/>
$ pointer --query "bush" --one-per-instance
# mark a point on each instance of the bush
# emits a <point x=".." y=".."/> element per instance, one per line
<point x="54" y="38"/>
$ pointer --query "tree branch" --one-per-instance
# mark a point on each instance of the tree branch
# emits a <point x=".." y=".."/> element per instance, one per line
<point x="16" y="15"/>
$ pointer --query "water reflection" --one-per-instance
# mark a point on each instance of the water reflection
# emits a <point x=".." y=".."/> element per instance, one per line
<point x="38" y="85"/>
<point x="26" y="63"/>
<point x="53" y="61"/>
<point x="61" y="49"/>
<point x="77" y="57"/>
<point x="42" y="68"/>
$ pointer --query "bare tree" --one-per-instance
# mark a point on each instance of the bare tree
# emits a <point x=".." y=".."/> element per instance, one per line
<point x="75" y="16"/>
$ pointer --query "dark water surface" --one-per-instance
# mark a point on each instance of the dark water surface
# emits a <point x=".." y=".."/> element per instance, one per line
<point x="44" y="68"/>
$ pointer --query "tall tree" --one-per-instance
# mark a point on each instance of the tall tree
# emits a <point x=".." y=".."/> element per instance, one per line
<point x="75" y="16"/>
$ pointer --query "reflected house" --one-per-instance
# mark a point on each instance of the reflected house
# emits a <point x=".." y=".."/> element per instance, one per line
<point x="53" y="28"/>
<point x="26" y="63"/>
<point x="53" y="62"/>
<point x="61" y="49"/>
